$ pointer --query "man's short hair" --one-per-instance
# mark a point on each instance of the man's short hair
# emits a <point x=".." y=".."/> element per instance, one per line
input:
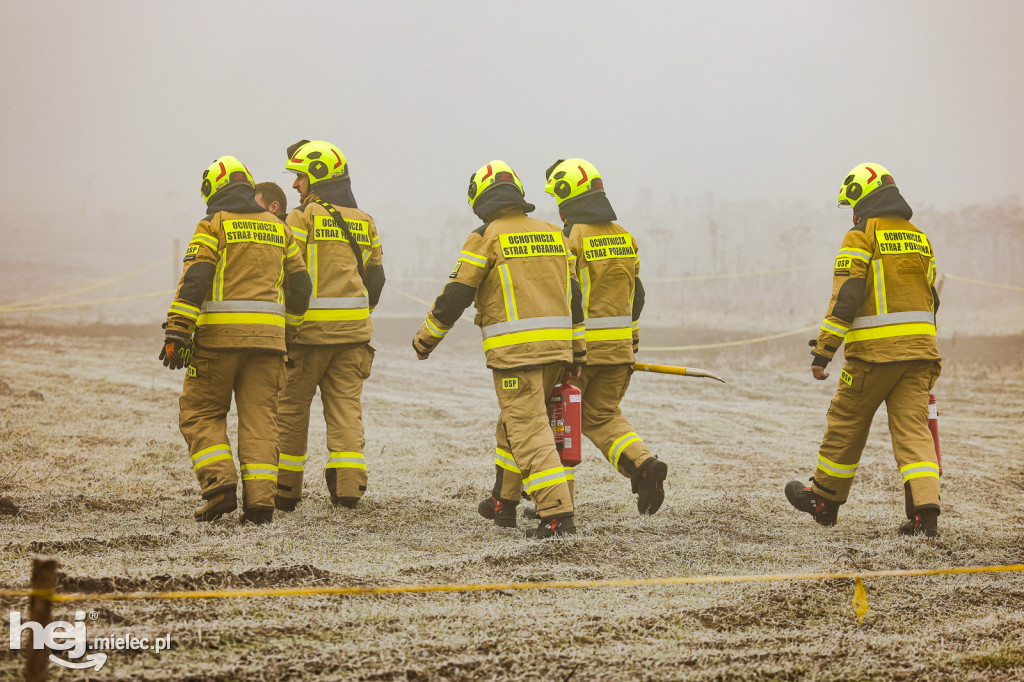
<point x="272" y="192"/>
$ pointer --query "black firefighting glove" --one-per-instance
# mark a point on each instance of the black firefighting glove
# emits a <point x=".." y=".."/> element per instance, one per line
<point x="177" y="349"/>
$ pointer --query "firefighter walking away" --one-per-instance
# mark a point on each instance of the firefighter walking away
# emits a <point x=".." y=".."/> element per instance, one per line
<point x="883" y="308"/>
<point x="608" y="268"/>
<point x="329" y="347"/>
<point x="242" y="275"/>
<point x="519" y="273"/>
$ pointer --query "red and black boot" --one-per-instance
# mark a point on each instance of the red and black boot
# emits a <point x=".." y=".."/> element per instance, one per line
<point x="804" y="498"/>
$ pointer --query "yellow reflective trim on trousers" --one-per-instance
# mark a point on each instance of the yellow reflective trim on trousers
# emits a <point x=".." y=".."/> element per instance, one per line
<point x="506" y="461"/>
<point x="544" y="479"/>
<point x="889" y="331"/>
<point x="291" y="462"/>
<point x="346" y="460"/>
<point x="214" y="453"/>
<point x="625" y="333"/>
<point x="293" y="320"/>
<point x="517" y="338"/>
<point x="881" y="304"/>
<point x="259" y="477"/>
<point x="919" y="470"/>
<point x="511" y="312"/>
<point x="210" y="460"/>
<point x="241" y="318"/>
<point x="836" y="470"/>
<point x="570" y="473"/>
<point x="319" y="315"/>
<point x="620" y="444"/>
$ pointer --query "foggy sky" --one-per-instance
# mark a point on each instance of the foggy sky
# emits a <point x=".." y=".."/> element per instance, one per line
<point x="110" y="111"/>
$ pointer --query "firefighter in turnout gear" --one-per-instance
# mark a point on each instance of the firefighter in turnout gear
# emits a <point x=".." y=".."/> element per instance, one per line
<point x="883" y="307"/>
<point x="330" y="346"/>
<point x="243" y="276"/>
<point x="520" y="274"/>
<point x="608" y="267"/>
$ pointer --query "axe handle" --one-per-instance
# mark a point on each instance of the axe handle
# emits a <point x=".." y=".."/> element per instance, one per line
<point x="659" y="369"/>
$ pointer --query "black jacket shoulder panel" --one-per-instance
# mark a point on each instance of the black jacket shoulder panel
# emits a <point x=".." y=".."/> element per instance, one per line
<point x="483" y="228"/>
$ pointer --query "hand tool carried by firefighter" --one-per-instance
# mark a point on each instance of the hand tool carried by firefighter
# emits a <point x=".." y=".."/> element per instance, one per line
<point x="565" y="413"/>
<point x="681" y="371"/>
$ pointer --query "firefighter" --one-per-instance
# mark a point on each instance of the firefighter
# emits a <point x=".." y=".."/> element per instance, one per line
<point x="330" y="348"/>
<point x="608" y="267"/>
<point x="243" y="275"/>
<point x="520" y="274"/>
<point x="270" y="196"/>
<point x="883" y="307"/>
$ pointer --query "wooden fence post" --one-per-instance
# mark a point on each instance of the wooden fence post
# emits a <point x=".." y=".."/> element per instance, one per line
<point x="44" y="578"/>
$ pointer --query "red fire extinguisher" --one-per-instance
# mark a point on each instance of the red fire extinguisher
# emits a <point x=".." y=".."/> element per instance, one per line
<point x="933" y="426"/>
<point x="565" y="413"/>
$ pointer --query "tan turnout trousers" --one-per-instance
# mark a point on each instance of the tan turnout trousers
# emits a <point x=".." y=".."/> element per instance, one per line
<point x="904" y="386"/>
<point x="526" y="454"/>
<point x="255" y="378"/>
<point x="339" y="371"/>
<point x="603" y="388"/>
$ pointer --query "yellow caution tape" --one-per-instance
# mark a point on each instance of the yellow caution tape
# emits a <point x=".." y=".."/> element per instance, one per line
<point x="392" y="287"/>
<point x="87" y="303"/>
<point x="732" y="275"/>
<point x="860" y="601"/>
<point x="986" y="284"/>
<point x="4" y="306"/>
<point x="726" y="344"/>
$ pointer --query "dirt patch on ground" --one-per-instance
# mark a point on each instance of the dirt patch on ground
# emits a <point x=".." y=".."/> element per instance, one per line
<point x="287" y="576"/>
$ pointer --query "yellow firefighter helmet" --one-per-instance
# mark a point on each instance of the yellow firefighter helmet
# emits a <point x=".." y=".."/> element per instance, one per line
<point x="494" y="173"/>
<point x="862" y="181"/>
<point x="319" y="160"/>
<point x="571" y="178"/>
<point x="223" y="172"/>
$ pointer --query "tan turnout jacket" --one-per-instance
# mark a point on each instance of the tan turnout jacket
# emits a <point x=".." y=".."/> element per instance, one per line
<point x="896" y="320"/>
<point x="607" y="266"/>
<point x="245" y="307"/>
<point x="521" y="269"/>
<point x="339" y="307"/>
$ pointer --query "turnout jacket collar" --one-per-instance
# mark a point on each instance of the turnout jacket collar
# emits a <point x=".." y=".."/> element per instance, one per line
<point x="884" y="202"/>
<point x="240" y="198"/>
<point x="589" y="208"/>
<point x="337" y="191"/>
<point x="495" y="200"/>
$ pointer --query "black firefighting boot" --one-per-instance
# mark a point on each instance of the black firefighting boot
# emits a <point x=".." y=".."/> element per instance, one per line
<point x="924" y="522"/>
<point x="219" y="503"/>
<point x="649" y="485"/>
<point x="803" y="498"/>
<point x="257" y="516"/>
<point x="503" y="512"/>
<point x="285" y="504"/>
<point x="550" y="528"/>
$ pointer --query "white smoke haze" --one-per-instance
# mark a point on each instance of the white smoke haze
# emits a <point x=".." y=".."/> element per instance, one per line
<point x="722" y="130"/>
